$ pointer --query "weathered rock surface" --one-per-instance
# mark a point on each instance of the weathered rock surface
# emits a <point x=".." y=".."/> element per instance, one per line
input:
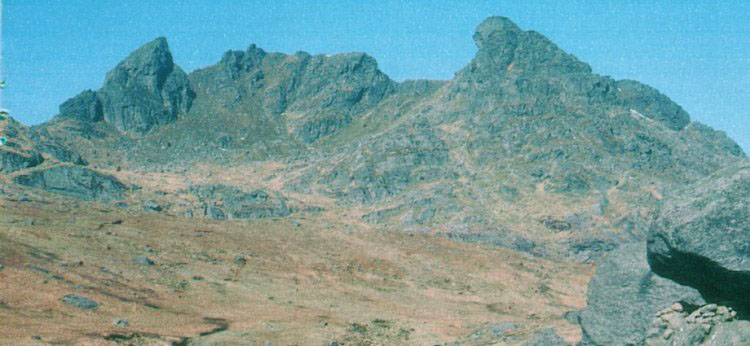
<point x="143" y="91"/>
<point x="624" y="295"/>
<point x="223" y="201"/>
<point x="702" y="237"/>
<point x="547" y="337"/>
<point x="85" y="106"/>
<point x="707" y="325"/>
<point x="80" y="302"/>
<point x="11" y="161"/>
<point x="74" y="181"/>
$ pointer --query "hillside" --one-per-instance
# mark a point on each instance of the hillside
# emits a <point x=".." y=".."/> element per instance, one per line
<point x="330" y="202"/>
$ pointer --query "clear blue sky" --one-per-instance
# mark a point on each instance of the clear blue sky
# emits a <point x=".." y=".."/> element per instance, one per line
<point x="698" y="53"/>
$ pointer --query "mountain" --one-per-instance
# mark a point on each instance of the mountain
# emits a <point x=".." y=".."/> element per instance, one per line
<point x="525" y="149"/>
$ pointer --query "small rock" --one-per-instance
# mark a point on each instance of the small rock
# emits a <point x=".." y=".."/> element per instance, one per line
<point x="197" y="277"/>
<point x="722" y="310"/>
<point x="667" y="334"/>
<point x="1" y="266"/>
<point x="121" y="322"/>
<point x="240" y="259"/>
<point x="80" y="302"/>
<point x="152" y="206"/>
<point x="709" y="314"/>
<point x="677" y="307"/>
<point x="334" y="343"/>
<point x="36" y="337"/>
<point x="706" y="327"/>
<point x="710" y="307"/>
<point x="143" y="260"/>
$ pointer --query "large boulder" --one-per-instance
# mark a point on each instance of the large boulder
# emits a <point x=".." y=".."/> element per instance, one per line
<point x="74" y="181"/>
<point x="624" y="295"/>
<point x="702" y="237"/>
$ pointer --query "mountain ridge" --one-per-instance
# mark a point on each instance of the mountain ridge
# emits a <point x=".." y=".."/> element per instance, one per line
<point x="525" y="125"/>
<point x="321" y="197"/>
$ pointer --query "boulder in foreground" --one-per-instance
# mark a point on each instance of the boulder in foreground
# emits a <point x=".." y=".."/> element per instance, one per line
<point x="702" y="237"/>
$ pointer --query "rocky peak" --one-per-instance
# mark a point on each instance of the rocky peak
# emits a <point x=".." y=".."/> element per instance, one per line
<point x="148" y="65"/>
<point x="235" y="61"/>
<point x="503" y="46"/>
<point x="144" y="90"/>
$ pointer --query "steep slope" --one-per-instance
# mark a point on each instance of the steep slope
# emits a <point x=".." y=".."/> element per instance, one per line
<point x="145" y="90"/>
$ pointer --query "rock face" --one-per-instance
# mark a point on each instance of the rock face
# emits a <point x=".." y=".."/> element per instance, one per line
<point x="707" y="325"/>
<point x="318" y="94"/>
<point x="145" y="90"/>
<point x="74" y="181"/>
<point x="11" y="161"/>
<point x="85" y="106"/>
<point x="624" y="295"/>
<point x="702" y="237"/>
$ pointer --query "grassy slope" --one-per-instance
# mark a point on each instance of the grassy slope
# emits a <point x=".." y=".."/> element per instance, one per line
<point x="331" y="278"/>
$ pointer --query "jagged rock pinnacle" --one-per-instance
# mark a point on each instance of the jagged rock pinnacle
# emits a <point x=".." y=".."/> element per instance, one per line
<point x="496" y="31"/>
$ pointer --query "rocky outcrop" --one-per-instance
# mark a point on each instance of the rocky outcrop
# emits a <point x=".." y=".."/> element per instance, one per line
<point x="702" y="237"/>
<point x="222" y="201"/>
<point x="652" y="104"/>
<point x="707" y="325"/>
<point x="546" y="337"/>
<point x="85" y="106"/>
<point x="74" y="181"/>
<point x="319" y="94"/>
<point x="624" y="295"/>
<point x="12" y="161"/>
<point x="143" y="91"/>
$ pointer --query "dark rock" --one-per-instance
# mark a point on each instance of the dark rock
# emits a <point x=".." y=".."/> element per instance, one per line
<point x="143" y="260"/>
<point x="152" y="205"/>
<point x="61" y="153"/>
<point x="238" y="204"/>
<point x="652" y="104"/>
<point x="74" y="181"/>
<point x="121" y="322"/>
<point x="702" y="237"/>
<point x="80" y="302"/>
<point x="624" y="295"/>
<point x="145" y="90"/>
<point x="546" y="337"/>
<point x="84" y="106"/>
<point x="11" y="161"/>
<point x="1" y="266"/>
<point x="556" y="225"/>
<point x="215" y="213"/>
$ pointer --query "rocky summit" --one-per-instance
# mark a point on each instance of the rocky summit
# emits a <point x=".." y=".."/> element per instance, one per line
<point x="277" y="198"/>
